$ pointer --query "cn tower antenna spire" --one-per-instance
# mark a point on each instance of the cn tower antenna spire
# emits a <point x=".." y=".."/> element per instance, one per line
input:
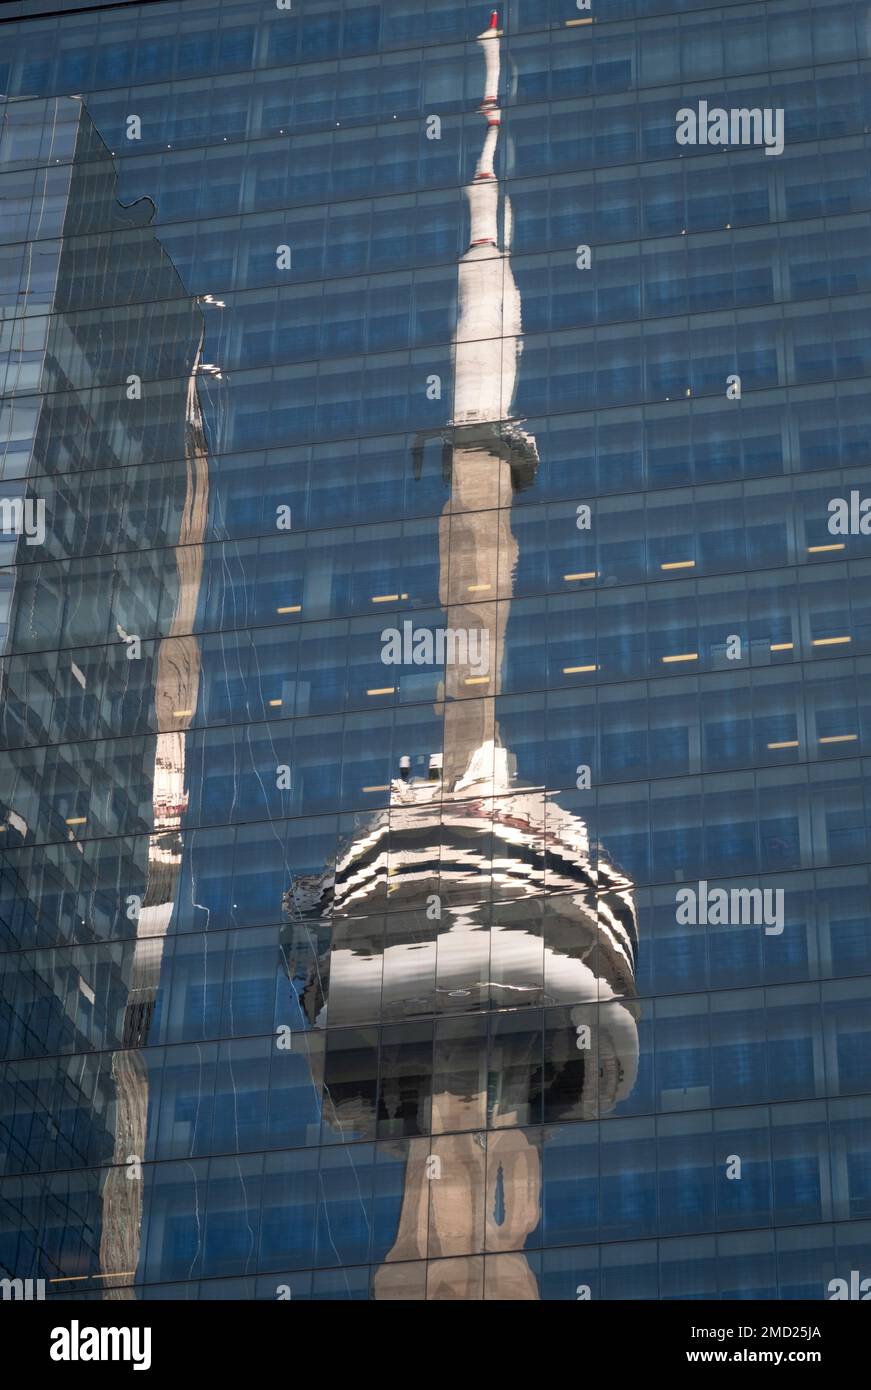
<point x="494" y="19"/>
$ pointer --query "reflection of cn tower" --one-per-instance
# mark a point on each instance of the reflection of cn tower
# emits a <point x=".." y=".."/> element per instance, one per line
<point x="489" y="855"/>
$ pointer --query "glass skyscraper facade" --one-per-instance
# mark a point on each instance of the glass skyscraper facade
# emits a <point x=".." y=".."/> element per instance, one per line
<point x="434" y="844"/>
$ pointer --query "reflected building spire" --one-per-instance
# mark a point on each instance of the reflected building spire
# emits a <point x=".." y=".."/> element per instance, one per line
<point x="175" y="699"/>
<point x="489" y="459"/>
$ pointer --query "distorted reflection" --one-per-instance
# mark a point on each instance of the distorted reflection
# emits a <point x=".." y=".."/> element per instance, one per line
<point x="471" y="929"/>
<point x="494" y="897"/>
<point x="175" y="697"/>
